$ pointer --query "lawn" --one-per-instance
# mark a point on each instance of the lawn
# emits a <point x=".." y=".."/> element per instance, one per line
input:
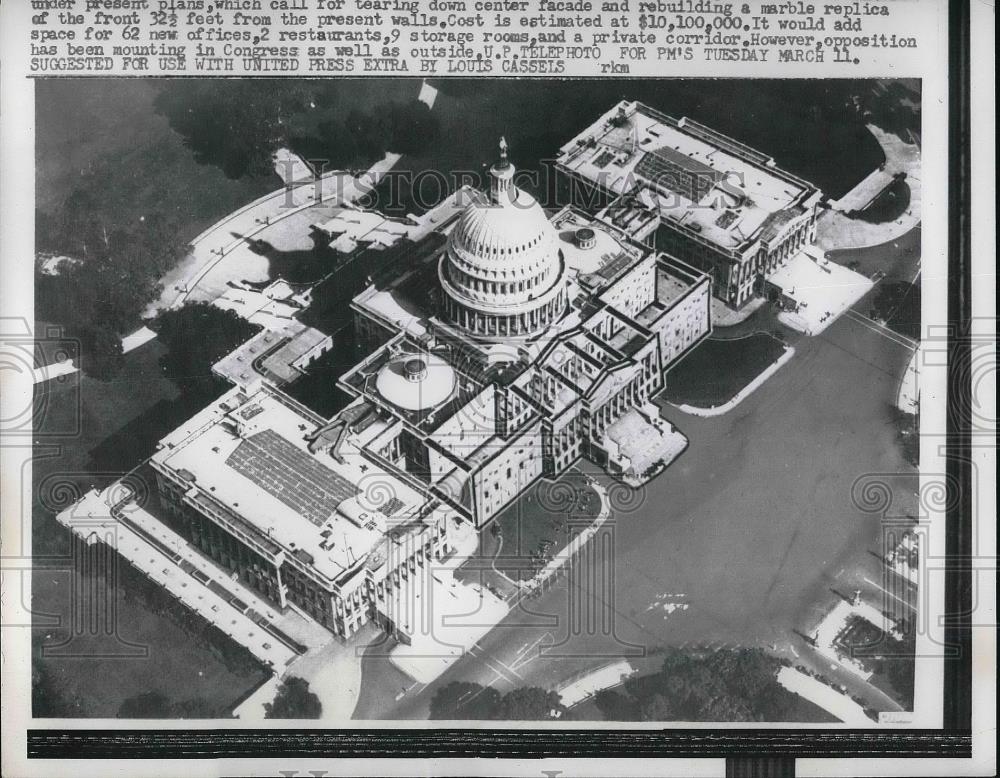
<point x="318" y="389"/>
<point x="888" y="205"/>
<point x="714" y="373"/>
<point x="126" y="158"/>
<point x="539" y="524"/>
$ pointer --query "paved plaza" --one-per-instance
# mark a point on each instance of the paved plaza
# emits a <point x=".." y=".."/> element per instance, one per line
<point x="821" y="291"/>
<point x="644" y="444"/>
<point x="836" y="230"/>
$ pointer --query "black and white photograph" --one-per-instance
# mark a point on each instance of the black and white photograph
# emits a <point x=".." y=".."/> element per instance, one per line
<point x="481" y="400"/>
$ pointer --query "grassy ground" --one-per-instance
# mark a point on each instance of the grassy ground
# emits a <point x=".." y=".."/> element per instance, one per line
<point x="888" y="205"/>
<point x="898" y="259"/>
<point x="317" y="389"/>
<point x="898" y="305"/>
<point x="717" y="370"/>
<point x="539" y="524"/>
<point x="126" y="157"/>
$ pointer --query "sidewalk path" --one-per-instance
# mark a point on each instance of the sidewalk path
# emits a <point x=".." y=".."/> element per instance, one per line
<point x="590" y="684"/>
<point x="827" y="698"/>
<point x="836" y="230"/>
<point x="908" y="398"/>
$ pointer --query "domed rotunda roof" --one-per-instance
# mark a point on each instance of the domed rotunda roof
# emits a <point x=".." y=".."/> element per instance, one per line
<point x="503" y="260"/>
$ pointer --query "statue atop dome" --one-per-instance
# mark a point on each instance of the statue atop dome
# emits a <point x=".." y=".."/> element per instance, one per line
<point x="501" y="175"/>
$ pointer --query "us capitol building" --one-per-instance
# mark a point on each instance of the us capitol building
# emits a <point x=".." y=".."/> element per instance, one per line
<point x="506" y="344"/>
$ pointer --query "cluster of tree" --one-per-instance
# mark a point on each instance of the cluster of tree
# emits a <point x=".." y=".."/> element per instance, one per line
<point x="907" y="434"/>
<point x="237" y="125"/>
<point x="729" y="685"/>
<point x="894" y="106"/>
<point x="156" y="705"/>
<point x="467" y="700"/>
<point x="196" y="336"/>
<point x="113" y="275"/>
<point x="294" y="701"/>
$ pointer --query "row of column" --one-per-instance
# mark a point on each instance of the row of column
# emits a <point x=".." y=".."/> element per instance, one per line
<point x="480" y="323"/>
<point x="625" y="400"/>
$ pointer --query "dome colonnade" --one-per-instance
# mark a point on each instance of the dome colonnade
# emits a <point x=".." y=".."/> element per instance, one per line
<point x="502" y="273"/>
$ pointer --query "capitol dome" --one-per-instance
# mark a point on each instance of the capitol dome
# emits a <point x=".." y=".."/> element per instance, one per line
<point x="502" y="272"/>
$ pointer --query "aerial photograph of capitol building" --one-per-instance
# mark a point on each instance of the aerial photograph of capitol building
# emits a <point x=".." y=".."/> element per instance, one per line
<point x="478" y="400"/>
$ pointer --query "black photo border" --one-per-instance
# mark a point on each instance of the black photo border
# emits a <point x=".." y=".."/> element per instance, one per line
<point x="776" y="748"/>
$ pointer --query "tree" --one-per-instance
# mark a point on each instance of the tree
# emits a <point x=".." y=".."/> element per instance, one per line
<point x="114" y="272"/>
<point x="528" y="703"/>
<point x="615" y="706"/>
<point x="235" y="125"/>
<point x="148" y="705"/>
<point x="413" y="127"/>
<point x="197" y="335"/>
<point x="100" y="354"/>
<point x="294" y="701"/>
<point x="657" y="708"/>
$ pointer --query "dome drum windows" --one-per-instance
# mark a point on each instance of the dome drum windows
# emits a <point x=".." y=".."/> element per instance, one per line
<point x="504" y="256"/>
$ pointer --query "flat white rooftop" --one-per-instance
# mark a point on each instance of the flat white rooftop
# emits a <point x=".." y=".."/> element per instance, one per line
<point x="277" y="354"/>
<point x="251" y="455"/>
<point x="353" y="226"/>
<point x="608" y="256"/>
<point x="647" y="152"/>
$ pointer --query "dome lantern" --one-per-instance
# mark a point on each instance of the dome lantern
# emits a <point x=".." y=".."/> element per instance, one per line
<point x="501" y="176"/>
